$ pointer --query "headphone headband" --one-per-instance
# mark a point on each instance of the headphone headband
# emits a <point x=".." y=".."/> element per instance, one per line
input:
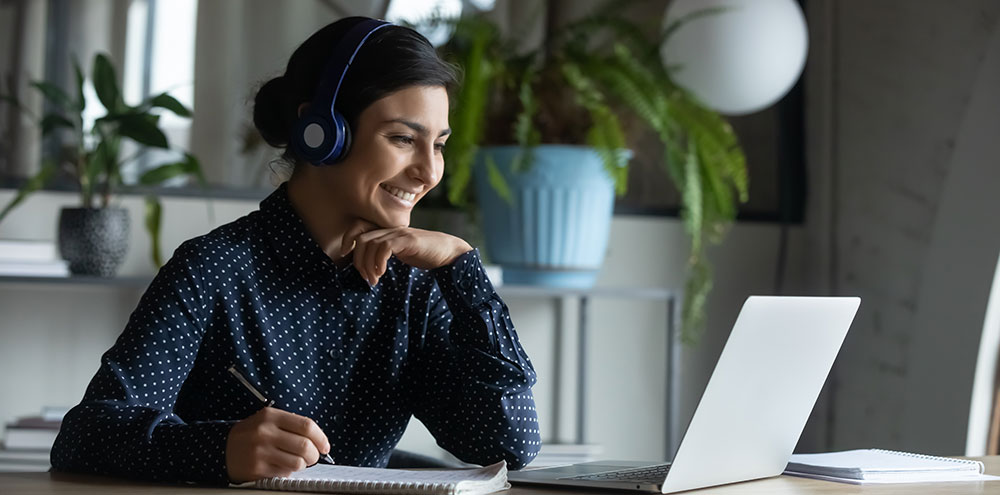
<point x="335" y="71"/>
<point x="322" y="135"/>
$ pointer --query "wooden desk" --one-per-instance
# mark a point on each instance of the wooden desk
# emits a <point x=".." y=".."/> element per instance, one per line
<point x="51" y="483"/>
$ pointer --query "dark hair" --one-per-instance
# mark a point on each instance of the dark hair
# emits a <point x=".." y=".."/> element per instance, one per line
<point x="393" y="58"/>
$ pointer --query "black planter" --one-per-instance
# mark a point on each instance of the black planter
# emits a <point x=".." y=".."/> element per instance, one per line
<point x="93" y="240"/>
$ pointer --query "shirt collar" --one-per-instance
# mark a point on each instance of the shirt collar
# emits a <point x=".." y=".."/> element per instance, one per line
<point x="294" y="246"/>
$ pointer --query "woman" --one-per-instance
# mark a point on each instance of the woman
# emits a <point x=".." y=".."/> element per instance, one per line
<point x="324" y="299"/>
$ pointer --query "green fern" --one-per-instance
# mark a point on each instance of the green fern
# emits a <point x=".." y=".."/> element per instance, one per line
<point x="701" y="154"/>
<point x="469" y="110"/>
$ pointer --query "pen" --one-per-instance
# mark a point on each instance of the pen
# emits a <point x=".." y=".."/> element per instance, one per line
<point x="325" y="458"/>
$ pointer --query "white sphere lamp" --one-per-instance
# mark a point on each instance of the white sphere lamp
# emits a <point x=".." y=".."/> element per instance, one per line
<point x="738" y="60"/>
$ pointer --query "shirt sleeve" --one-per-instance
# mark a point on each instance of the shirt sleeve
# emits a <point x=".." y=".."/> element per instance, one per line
<point x="125" y="425"/>
<point x="473" y="379"/>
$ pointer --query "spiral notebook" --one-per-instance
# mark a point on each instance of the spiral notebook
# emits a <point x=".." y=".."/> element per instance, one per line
<point x="325" y="478"/>
<point x="884" y="466"/>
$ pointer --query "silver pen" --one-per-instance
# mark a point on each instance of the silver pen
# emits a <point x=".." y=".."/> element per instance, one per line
<point x="325" y="458"/>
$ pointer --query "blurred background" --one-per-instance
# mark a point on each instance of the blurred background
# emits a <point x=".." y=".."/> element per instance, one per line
<point x="872" y="169"/>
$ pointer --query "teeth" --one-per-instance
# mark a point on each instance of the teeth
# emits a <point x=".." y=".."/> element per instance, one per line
<point x="399" y="193"/>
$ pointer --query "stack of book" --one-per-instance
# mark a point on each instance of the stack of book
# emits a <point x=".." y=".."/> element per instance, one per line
<point x="28" y="440"/>
<point x="26" y="258"/>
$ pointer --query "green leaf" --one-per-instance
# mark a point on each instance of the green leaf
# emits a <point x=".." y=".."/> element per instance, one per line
<point x="106" y="83"/>
<point x="167" y="171"/>
<point x="100" y="160"/>
<point x="143" y="129"/>
<point x="696" y="290"/>
<point x="53" y="93"/>
<point x="35" y="183"/>
<point x="497" y="181"/>
<point x="53" y="121"/>
<point x="195" y="166"/>
<point x="164" y="100"/>
<point x="469" y="112"/>
<point x="81" y="102"/>
<point x="691" y="198"/>
<point x="154" y="214"/>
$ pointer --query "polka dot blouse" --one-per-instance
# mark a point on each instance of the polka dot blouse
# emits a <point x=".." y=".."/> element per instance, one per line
<point x="318" y="340"/>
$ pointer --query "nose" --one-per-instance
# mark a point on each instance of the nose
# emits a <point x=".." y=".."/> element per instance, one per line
<point x="424" y="167"/>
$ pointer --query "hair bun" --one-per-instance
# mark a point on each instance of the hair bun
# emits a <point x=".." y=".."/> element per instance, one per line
<point x="271" y="121"/>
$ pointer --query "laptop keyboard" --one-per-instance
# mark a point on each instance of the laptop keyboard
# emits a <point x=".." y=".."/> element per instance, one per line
<point x="647" y="474"/>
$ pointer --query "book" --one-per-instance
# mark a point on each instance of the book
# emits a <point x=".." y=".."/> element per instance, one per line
<point x="883" y="466"/>
<point x="54" y="413"/>
<point x="53" y="268"/>
<point x="31" y="433"/>
<point x="347" y="479"/>
<point x="23" y="461"/>
<point x="27" y="438"/>
<point x="28" y="250"/>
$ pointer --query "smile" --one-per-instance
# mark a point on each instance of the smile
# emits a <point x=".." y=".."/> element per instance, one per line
<point x="399" y="193"/>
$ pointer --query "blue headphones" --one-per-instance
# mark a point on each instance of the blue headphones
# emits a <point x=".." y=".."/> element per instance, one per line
<point x="322" y="135"/>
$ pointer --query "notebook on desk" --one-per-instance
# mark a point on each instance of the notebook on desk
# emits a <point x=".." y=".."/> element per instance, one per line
<point x="753" y="410"/>
<point x="883" y="466"/>
<point x="374" y="481"/>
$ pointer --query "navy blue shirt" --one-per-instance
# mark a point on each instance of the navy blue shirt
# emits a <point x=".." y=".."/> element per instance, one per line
<point x="260" y="293"/>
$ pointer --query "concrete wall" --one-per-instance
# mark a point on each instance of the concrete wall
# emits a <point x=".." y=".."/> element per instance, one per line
<point x="914" y="151"/>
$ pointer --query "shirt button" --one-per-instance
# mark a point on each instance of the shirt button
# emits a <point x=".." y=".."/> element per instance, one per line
<point x="334" y="353"/>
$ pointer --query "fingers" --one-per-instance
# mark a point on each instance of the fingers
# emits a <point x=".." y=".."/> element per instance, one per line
<point x="377" y="255"/>
<point x="302" y="427"/>
<point x="294" y="451"/>
<point x="372" y="253"/>
<point x="285" y="462"/>
<point x="272" y="442"/>
<point x="349" y="241"/>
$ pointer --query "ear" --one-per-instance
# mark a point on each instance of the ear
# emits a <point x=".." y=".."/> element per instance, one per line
<point x="302" y="108"/>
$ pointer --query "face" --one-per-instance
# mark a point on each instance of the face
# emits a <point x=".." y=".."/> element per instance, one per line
<point x="395" y="157"/>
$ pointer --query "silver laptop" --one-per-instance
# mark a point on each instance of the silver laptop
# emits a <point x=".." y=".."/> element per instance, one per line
<point x="753" y="409"/>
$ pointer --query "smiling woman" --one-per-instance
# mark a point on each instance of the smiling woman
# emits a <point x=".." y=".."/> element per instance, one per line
<point x="325" y="298"/>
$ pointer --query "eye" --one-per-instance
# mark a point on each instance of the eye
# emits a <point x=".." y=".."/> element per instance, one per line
<point x="402" y="139"/>
<point x="439" y="147"/>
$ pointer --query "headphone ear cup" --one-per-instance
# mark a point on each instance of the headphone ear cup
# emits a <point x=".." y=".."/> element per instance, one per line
<point x="348" y="136"/>
<point x="313" y="138"/>
<point x="341" y="139"/>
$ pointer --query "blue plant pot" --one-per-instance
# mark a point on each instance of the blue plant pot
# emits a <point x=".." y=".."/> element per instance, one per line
<point x="554" y="231"/>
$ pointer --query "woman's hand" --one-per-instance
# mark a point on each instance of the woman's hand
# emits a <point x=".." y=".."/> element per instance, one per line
<point x="372" y="246"/>
<point x="271" y="443"/>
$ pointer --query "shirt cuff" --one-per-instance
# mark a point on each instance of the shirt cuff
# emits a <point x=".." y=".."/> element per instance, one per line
<point x="194" y="451"/>
<point x="465" y="280"/>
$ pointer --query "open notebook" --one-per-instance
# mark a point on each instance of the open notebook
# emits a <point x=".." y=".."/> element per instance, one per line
<point x="347" y="479"/>
<point x="884" y="466"/>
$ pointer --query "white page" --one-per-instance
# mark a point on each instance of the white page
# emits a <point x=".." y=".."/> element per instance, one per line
<point x="940" y="477"/>
<point x="350" y="473"/>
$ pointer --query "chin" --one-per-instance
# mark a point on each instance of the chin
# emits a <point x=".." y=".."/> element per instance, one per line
<point x="394" y="221"/>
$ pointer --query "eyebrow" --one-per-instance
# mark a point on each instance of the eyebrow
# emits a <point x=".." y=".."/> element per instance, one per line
<point x="416" y="126"/>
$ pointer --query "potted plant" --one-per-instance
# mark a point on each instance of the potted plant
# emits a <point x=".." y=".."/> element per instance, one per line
<point x="94" y="236"/>
<point x="558" y="115"/>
